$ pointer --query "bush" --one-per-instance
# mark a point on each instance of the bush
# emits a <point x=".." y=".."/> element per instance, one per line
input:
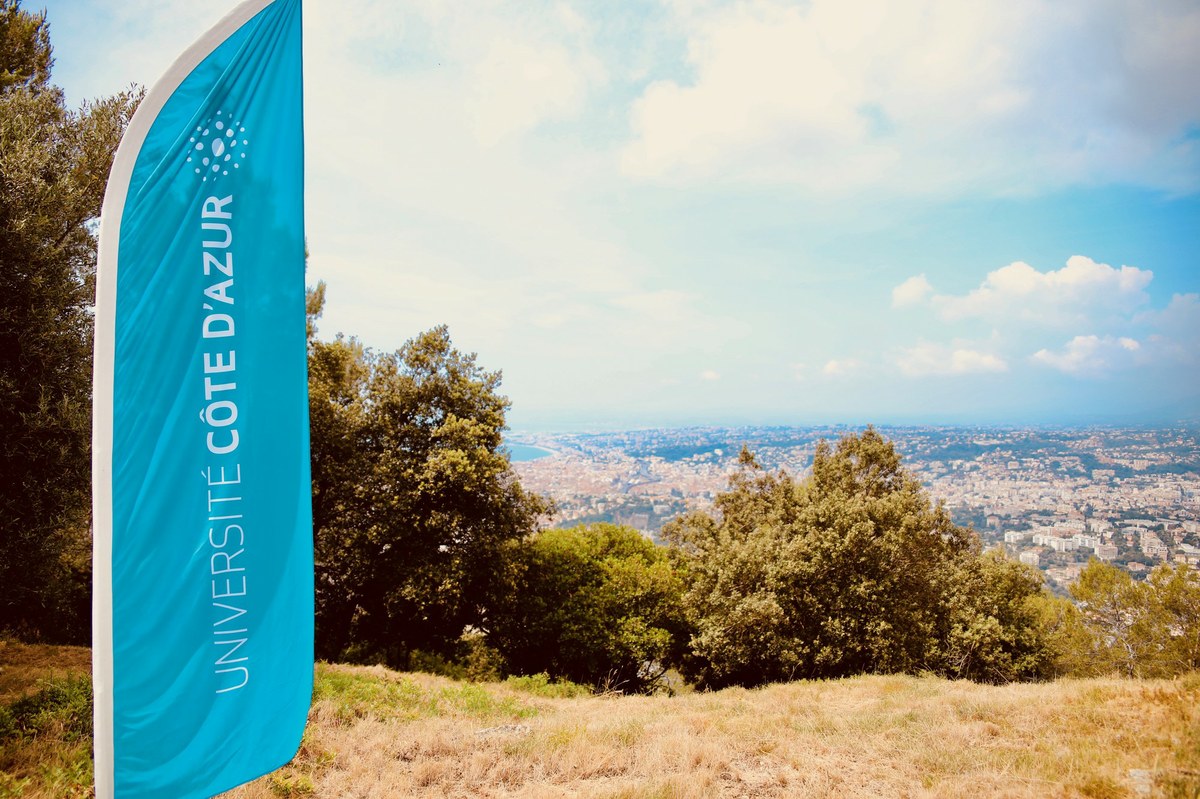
<point x="45" y="741"/>
<point x="62" y="708"/>
<point x="595" y="604"/>
<point x="541" y="685"/>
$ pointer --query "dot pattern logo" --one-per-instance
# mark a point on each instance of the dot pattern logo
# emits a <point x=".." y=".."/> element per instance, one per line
<point x="218" y="147"/>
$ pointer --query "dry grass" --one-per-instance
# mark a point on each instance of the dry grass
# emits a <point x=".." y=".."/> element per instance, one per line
<point x="376" y="733"/>
<point x="24" y="667"/>
<point x="862" y="737"/>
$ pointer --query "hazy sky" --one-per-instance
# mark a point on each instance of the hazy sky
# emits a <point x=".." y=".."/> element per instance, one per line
<point x="653" y="213"/>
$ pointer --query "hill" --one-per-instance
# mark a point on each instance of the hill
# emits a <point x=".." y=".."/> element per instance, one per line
<point x="378" y="733"/>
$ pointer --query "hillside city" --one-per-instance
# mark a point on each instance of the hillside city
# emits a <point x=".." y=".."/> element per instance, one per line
<point x="1052" y="498"/>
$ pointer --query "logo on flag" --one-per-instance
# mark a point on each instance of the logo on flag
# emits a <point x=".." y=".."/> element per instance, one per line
<point x="219" y="146"/>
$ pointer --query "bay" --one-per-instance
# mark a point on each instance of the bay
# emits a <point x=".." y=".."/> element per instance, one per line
<point x="519" y="453"/>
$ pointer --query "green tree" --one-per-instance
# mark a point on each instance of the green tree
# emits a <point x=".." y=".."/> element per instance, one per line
<point x="414" y="502"/>
<point x="1146" y="629"/>
<point x="1175" y="607"/>
<point x="25" y="54"/>
<point x="54" y="164"/>
<point x="999" y="630"/>
<point x="852" y="570"/>
<point x="595" y="604"/>
<point x="1067" y="639"/>
<point x="1110" y="605"/>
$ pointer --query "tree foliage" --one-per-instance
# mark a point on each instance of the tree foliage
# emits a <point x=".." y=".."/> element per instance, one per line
<point x="1138" y="629"/>
<point x="596" y="605"/>
<point x="54" y="164"/>
<point x="414" y="501"/>
<point x="851" y="570"/>
<point x="25" y="54"/>
<point x="998" y="629"/>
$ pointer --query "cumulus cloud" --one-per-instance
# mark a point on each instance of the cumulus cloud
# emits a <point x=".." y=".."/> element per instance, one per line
<point x="1090" y="355"/>
<point x="932" y="96"/>
<point x="1083" y="290"/>
<point x="911" y="292"/>
<point x="1030" y="309"/>
<point x="936" y="359"/>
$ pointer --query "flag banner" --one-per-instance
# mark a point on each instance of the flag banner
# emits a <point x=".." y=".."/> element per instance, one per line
<point x="203" y="594"/>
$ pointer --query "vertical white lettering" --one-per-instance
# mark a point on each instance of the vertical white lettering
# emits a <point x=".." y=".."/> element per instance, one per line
<point x="217" y="325"/>
<point x="245" y="678"/>
<point x="214" y="208"/>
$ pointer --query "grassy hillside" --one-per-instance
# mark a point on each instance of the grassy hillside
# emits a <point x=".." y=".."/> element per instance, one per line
<point x="376" y="733"/>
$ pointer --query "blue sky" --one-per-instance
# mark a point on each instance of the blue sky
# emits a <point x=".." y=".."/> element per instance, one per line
<point x="660" y="213"/>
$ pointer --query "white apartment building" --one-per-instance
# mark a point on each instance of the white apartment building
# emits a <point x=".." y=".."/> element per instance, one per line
<point x="1152" y="547"/>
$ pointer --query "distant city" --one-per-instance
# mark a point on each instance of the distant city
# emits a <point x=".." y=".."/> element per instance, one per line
<point x="1052" y="498"/>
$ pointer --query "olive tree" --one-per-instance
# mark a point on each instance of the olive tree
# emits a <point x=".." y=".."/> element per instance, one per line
<point x="54" y="165"/>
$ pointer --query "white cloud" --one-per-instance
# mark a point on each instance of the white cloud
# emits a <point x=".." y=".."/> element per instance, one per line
<point x="842" y="367"/>
<point x="1026" y="306"/>
<point x="1083" y="290"/>
<point x="1177" y="339"/>
<point x="519" y="84"/>
<point x="668" y="305"/>
<point x="1091" y="355"/>
<point x="453" y="216"/>
<point x="935" y="359"/>
<point x="710" y="374"/>
<point x="931" y="96"/>
<point x="1180" y="320"/>
<point x="911" y="292"/>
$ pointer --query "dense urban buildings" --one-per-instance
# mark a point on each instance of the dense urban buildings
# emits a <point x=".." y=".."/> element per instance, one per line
<point x="1051" y="497"/>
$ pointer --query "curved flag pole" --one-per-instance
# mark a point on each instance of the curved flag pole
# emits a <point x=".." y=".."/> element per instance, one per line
<point x="202" y="593"/>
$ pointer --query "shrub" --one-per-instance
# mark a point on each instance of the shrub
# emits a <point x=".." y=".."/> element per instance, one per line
<point x="62" y="708"/>
<point x="595" y="604"/>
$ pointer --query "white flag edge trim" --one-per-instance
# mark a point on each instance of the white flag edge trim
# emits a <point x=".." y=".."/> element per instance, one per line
<point x="103" y="367"/>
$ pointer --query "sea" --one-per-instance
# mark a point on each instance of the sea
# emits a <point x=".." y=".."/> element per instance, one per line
<point x="519" y="453"/>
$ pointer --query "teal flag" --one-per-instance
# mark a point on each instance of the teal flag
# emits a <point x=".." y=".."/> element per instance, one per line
<point x="203" y="604"/>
